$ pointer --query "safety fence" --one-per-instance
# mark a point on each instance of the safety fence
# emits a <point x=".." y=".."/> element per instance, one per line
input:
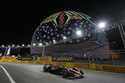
<point x="48" y="60"/>
<point x="93" y="66"/>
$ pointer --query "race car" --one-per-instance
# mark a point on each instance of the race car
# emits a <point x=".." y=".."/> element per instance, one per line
<point x="73" y="73"/>
<point x="69" y="73"/>
<point x="55" y="69"/>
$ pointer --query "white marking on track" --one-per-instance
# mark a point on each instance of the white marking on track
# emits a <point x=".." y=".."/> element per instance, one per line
<point x="8" y="75"/>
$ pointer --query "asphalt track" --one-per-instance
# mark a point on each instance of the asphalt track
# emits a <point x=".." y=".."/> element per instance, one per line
<point x="28" y="73"/>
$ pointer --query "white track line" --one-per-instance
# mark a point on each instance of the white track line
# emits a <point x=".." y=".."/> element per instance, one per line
<point x="8" y="75"/>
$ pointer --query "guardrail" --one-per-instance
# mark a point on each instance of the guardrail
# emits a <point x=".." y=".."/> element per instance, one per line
<point x="7" y="59"/>
<point x="98" y="67"/>
<point x="48" y="60"/>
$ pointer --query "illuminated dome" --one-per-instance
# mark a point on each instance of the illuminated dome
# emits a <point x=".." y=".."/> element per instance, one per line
<point x="63" y="24"/>
<point x="67" y="33"/>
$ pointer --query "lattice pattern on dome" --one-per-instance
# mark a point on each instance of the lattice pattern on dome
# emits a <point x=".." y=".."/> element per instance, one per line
<point x="61" y="24"/>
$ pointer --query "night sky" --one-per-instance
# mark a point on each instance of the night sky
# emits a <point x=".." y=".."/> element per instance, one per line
<point x="20" y="19"/>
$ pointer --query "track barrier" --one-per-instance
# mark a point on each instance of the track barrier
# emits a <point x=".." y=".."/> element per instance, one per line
<point x="48" y="60"/>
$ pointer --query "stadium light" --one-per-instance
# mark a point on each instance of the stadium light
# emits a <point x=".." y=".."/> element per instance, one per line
<point x="54" y="41"/>
<point x="13" y="45"/>
<point x="23" y="45"/>
<point x="9" y="46"/>
<point x="79" y="33"/>
<point x="18" y="46"/>
<point x="34" y="44"/>
<point x="40" y="44"/>
<point x="13" y="55"/>
<point x="28" y="45"/>
<point x="64" y="37"/>
<point x="101" y="25"/>
<point x="2" y="46"/>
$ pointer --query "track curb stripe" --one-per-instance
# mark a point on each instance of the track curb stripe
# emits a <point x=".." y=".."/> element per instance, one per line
<point x="8" y="75"/>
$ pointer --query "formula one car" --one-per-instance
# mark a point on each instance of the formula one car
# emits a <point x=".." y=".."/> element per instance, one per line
<point x="73" y="73"/>
<point x="69" y="73"/>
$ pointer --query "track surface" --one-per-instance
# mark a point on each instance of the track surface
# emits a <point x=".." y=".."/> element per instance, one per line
<point x="27" y="73"/>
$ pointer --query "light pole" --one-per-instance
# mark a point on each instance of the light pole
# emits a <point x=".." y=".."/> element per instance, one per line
<point x="122" y="33"/>
<point x="100" y="29"/>
<point x="43" y="51"/>
<point x="43" y="48"/>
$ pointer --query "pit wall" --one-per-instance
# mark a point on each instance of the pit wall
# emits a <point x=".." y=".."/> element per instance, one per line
<point x="48" y="60"/>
